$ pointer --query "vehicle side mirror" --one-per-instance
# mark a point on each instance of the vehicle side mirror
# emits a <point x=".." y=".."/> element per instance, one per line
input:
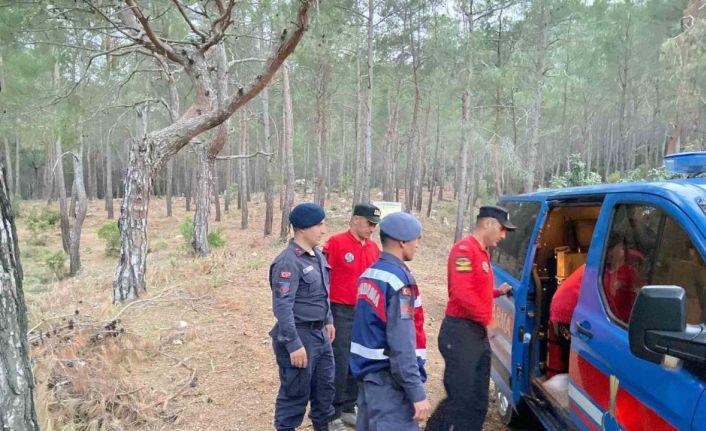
<point x="658" y="327"/>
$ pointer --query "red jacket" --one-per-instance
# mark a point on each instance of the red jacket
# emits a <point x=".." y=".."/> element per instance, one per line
<point x="470" y="282"/>
<point x="348" y="259"/>
<point x="566" y="297"/>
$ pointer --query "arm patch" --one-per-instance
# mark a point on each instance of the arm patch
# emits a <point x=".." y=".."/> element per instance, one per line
<point x="463" y="264"/>
<point x="406" y="303"/>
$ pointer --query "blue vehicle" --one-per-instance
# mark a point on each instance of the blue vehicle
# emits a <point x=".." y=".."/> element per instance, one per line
<point x="637" y="356"/>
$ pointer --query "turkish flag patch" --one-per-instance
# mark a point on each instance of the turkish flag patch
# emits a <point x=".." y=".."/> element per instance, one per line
<point x="285" y="274"/>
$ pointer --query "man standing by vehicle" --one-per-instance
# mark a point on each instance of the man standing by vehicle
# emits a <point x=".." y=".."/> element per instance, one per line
<point x="349" y="253"/>
<point x="301" y="338"/>
<point x="463" y="337"/>
<point x="388" y="347"/>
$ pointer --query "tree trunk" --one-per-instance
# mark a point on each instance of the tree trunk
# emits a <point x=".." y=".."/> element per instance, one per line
<point x="422" y="160"/>
<point x="17" y="412"/>
<point x="243" y="180"/>
<point x="188" y="184"/>
<point x="80" y="215"/>
<point x="216" y="193"/>
<point x="537" y="96"/>
<point x="368" y="127"/>
<point x="199" y="238"/>
<point x="269" y="171"/>
<point x="109" y="181"/>
<point x="61" y="185"/>
<point x="8" y="159"/>
<point x="466" y="123"/>
<point x="321" y="180"/>
<point x="288" y="153"/>
<point x="170" y="186"/>
<point x="435" y="164"/>
<point x="388" y="179"/>
<point x="358" y="168"/>
<point x="463" y="168"/>
<point x="49" y="183"/>
<point x="17" y="169"/>
<point x="131" y="272"/>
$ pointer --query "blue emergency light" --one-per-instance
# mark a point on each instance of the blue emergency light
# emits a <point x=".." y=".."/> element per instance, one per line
<point x="686" y="163"/>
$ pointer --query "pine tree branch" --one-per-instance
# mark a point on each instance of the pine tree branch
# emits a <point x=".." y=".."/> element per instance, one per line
<point x="191" y="25"/>
<point x="160" y="46"/>
<point x="244" y="156"/>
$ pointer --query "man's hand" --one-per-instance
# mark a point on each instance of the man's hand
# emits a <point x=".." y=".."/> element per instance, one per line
<point x="422" y="410"/>
<point x="331" y="332"/>
<point x="505" y="288"/>
<point x="298" y="358"/>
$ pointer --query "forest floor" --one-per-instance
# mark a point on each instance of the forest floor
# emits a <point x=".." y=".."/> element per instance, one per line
<point x="192" y="353"/>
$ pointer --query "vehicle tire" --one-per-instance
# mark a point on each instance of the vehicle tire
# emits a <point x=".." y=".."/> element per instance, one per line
<point x="517" y="417"/>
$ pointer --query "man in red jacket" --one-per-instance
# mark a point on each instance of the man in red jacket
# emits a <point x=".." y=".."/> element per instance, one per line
<point x="349" y="254"/>
<point x="463" y="337"/>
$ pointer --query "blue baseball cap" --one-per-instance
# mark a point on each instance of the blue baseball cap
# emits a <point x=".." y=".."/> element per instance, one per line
<point x="401" y="226"/>
<point x="306" y="215"/>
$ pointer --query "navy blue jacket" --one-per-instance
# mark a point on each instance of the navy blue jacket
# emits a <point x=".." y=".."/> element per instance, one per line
<point x="300" y="292"/>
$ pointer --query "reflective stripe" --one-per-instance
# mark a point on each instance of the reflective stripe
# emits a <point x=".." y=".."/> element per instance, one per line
<point x="381" y="275"/>
<point x="360" y="350"/>
<point x="422" y="353"/>
<point x="418" y="302"/>
<point x="586" y="405"/>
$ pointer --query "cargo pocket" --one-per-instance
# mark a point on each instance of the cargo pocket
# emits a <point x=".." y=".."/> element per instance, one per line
<point x="295" y="381"/>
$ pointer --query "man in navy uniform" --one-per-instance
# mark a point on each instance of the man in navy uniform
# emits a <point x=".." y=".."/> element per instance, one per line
<point x="302" y="336"/>
<point x="388" y="346"/>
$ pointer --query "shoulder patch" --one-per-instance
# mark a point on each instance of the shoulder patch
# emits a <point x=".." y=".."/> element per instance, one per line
<point x="285" y="274"/>
<point x="406" y="304"/>
<point x="463" y="264"/>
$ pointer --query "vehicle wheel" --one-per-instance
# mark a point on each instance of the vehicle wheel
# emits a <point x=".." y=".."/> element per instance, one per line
<point x="518" y="417"/>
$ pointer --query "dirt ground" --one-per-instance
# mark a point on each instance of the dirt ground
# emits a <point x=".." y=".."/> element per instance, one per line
<point x="195" y="354"/>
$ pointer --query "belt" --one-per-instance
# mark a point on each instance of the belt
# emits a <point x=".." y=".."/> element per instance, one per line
<point x="316" y="324"/>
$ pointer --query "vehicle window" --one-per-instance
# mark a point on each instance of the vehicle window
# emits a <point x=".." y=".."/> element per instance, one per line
<point x="510" y="253"/>
<point x="679" y="263"/>
<point x="646" y="246"/>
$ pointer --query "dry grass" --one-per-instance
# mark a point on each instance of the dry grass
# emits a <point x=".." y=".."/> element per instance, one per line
<point x="193" y="352"/>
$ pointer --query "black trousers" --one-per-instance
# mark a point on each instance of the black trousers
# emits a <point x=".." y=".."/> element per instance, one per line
<point x="466" y="350"/>
<point x="346" y="385"/>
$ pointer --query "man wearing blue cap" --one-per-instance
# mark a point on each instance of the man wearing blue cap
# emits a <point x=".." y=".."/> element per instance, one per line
<point x="302" y="336"/>
<point x="388" y="346"/>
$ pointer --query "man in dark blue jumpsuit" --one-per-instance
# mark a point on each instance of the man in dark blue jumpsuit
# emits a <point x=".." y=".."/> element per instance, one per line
<point x="299" y="278"/>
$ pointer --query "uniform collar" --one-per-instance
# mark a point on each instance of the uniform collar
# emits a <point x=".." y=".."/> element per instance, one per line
<point x="474" y="241"/>
<point x="388" y="257"/>
<point x="298" y="250"/>
<point x="352" y="237"/>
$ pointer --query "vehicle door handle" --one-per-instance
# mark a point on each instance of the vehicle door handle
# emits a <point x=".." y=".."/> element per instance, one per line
<point x="584" y="328"/>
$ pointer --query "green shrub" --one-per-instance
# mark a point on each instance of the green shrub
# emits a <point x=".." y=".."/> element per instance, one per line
<point x="215" y="238"/>
<point x="110" y="233"/>
<point x="38" y="231"/>
<point x="56" y="262"/>
<point x="50" y="215"/>
<point x="187" y="228"/>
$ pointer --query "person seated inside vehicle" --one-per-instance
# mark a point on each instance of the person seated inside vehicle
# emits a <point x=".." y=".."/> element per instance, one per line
<point x="561" y="311"/>
<point x="621" y="278"/>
